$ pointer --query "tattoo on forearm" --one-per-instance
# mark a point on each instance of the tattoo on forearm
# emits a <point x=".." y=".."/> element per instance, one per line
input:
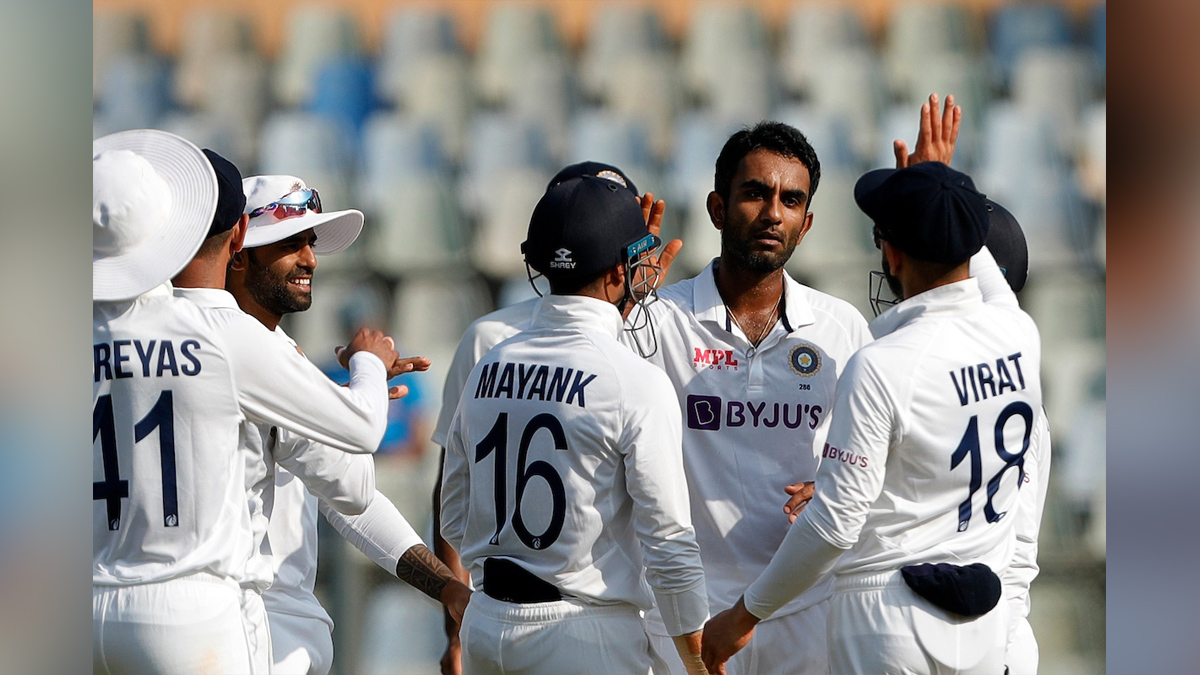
<point x="423" y="571"/>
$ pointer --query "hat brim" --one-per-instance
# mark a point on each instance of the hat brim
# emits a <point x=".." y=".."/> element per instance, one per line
<point x="193" y="186"/>
<point x="335" y="230"/>
<point x="868" y="183"/>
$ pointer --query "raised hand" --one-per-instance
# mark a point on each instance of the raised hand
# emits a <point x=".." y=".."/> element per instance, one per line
<point x="653" y="211"/>
<point x="937" y="137"/>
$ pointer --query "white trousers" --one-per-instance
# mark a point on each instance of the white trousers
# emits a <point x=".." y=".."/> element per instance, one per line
<point x="301" y="645"/>
<point x="1021" y="656"/>
<point x="195" y="624"/>
<point x="793" y="644"/>
<point x="552" y="638"/>
<point x="879" y="626"/>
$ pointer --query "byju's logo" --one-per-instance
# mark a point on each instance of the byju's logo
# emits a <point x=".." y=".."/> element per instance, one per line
<point x="562" y="259"/>
<point x="704" y="412"/>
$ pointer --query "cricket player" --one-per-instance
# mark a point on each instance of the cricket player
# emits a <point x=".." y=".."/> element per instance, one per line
<point x="172" y="383"/>
<point x="942" y="403"/>
<point x="490" y="330"/>
<point x="270" y="277"/>
<point x="563" y="456"/>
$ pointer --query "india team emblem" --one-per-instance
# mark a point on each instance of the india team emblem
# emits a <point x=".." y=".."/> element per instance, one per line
<point x="805" y="360"/>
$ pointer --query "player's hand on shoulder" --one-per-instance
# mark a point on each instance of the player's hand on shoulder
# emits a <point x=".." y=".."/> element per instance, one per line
<point x="371" y="341"/>
<point x="937" y="137"/>
<point x="801" y="495"/>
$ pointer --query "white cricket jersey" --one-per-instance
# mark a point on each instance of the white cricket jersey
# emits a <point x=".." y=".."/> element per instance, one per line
<point x="755" y="418"/>
<point x="563" y="456"/>
<point x="930" y="431"/>
<point x="174" y="377"/>
<point x="484" y="333"/>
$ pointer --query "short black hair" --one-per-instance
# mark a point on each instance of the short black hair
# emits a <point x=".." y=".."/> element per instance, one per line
<point x="782" y="139"/>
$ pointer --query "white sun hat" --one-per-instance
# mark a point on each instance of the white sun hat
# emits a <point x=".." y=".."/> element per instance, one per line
<point x="154" y="195"/>
<point x="335" y="230"/>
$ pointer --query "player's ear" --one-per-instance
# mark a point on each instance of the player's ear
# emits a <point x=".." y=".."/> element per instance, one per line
<point x="716" y="210"/>
<point x="239" y="261"/>
<point x="239" y="233"/>
<point x="808" y="221"/>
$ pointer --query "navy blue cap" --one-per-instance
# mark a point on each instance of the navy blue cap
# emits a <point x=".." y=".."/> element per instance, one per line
<point x="581" y="227"/>
<point x="598" y="169"/>
<point x="231" y="200"/>
<point x="928" y="210"/>
<point x="1006" y="241"/>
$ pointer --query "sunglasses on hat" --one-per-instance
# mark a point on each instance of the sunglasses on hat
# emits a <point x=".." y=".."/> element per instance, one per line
<point x="292" y="204"/>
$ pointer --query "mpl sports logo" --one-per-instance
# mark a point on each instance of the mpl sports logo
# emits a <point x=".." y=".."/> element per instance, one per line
<point x="562" y="260"/>
<point x="715" y="359"/>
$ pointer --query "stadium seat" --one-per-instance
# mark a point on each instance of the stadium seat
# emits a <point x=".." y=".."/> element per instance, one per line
<point x="1057" y="82"/>
<point x="503" y="222"/>
<point x="501" y="144"/>
<point x="242" y="115"/>
<point x="649" y="91"/>
<point x="698" y="142"/>
<point x="600" y="136"/>
<point x="515" y="35"/>
<point x="314" y="34"/>
<point x="616" y="33"/>
<point x="115" y="33"/>
<point x="206" y="131"/>
<point x="445" y="307"/>
<point x="826" y="132"/>
<point x="135" y="92"/>
<point x="411" y="35"/>
<point x="721" y="39"/>
<point x="439" y="93"/>
<point x="1067" y="306"/>
<point x="415" y="227"/>
<point x="210" y="33"/>
<point x="920" y="31"/>
<point x="344" y="93"/>
<point x="849" y="85"/>
<point x="396" y="146"/>
<point x="1014" y="143"/>
<point x="541" y="93"/>
<point x="1015" y="28"/>
<point x="813" y="31"/>
<point x="1070" y="370"/>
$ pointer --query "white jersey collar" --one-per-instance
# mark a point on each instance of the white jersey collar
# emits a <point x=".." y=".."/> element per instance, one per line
<point x="710" y="307"/>
<point x="945" y="300"/>
<point x="578" y="312"/>
<point x="208" y="297"/>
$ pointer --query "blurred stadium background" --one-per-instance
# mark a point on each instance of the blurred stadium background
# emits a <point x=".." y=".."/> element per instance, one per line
<point x="443" y="120"/>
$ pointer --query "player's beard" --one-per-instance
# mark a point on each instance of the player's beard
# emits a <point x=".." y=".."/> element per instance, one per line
<point x="756" y="261"/>
<point x="271" y="291"/>
<point x="892" y="282"/>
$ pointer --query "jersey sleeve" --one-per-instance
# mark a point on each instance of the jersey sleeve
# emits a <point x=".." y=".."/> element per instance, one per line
<point x="343" y="481"/>
<point x="456" y="486"/>
<point x="381" y="532"/>
<point x="1030" y="501"/>
<point x="992" y="284"/>
<point x="465" y="357"/>
<point x="848" y="481"/>
<point x="651" y="444"/>
<point x="278" y="386"/>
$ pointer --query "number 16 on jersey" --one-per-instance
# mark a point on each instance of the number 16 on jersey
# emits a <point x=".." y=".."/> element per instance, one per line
<point x="495" y="445"/>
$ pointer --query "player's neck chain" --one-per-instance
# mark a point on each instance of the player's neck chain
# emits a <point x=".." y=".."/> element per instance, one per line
<point x="767" y="325"/>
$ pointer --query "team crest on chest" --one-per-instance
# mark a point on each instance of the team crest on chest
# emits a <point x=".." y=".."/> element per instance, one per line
<point x="805" y="360"/>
